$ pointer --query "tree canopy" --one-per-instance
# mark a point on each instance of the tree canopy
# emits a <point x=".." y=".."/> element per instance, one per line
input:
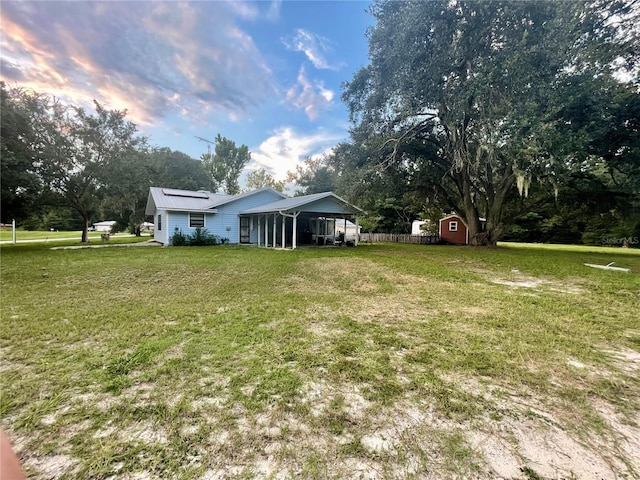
<point x="469" y="102"/>
<point x="225" y="165"/>
<point x="260" y="178"/>
<point x="57" y="157"/>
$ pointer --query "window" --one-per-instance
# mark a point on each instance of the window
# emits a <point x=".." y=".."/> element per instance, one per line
<point x="196" y="220"/>
<point x="453" y="226"/>
<point x="159" y="222"/>
<point x="244" y="230"/>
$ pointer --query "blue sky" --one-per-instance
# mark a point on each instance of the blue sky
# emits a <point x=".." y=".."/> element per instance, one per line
<point x="265" y="74"/>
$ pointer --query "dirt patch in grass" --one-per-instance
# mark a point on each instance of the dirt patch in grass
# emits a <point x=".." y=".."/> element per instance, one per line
<point x="626" y="359"/>
<point x="51" y="466"/>
<point x="529" y="431"/>
<point x="517" y="279"/>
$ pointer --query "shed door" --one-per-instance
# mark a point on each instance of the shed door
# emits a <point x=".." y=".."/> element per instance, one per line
<point x="244" y="230"/>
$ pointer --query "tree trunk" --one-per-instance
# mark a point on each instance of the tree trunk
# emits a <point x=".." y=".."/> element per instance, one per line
<point x="85" y="228"/>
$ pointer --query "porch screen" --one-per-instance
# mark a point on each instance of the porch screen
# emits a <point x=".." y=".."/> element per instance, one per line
<point x="244" y="230"/>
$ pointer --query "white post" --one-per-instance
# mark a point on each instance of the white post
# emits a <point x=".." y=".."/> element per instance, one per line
<point x="334" y="230"/>
<point x="295" y="231"/>
<point x="266" y="230"/>
<point x="13" y="230"/>
<point x="317" y="231"/>
<point x="283" y="242"/>
<point x="344" y="238"/>
<point x="274" y="230"/>
<point x="326" y="229"/>
<point x="258" y="230"/>
<point x="357" y="232"/>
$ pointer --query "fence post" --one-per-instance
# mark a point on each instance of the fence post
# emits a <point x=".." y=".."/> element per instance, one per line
<point x="13" y="230"/>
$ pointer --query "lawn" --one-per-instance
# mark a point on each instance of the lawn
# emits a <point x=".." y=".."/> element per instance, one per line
<point x="381" y="361"/>
<point x="6" y="235"/>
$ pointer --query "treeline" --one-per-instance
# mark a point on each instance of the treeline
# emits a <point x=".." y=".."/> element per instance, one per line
<point x="523" y="114"/>
<point x="63" y="167"/>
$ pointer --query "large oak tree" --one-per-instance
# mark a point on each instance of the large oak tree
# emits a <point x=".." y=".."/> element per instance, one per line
<point x="471" y="95"/>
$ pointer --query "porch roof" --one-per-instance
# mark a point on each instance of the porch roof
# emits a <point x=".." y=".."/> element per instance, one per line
<point x="324" y="203"/>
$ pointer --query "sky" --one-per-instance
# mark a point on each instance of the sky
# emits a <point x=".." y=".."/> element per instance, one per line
<point x="264" y="74"/>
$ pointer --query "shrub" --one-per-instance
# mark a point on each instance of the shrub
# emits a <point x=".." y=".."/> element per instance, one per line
<point x="118" y="227"/>
<point x="201" y="237"/>
<point x="178" y="239"/>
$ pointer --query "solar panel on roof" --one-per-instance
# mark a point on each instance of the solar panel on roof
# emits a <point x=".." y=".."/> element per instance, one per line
<point x="184" y="193"/>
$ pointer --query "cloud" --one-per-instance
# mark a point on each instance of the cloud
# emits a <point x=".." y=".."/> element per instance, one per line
<point x="274" y="10"/>
<point x="314" y="46"/>
<point x="155" y="59"/>
<point x="285" y="148"/>
<point x="309" y="97"/>
<point x="244" y="10"/>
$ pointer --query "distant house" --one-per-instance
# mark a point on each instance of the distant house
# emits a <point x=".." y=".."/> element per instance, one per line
<point x="104" y="226"/>
<point x="263" y="217"/>
<point x="422" y="227"/>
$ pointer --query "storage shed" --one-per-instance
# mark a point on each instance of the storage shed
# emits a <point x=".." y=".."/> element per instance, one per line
<point x="453" y="229"/>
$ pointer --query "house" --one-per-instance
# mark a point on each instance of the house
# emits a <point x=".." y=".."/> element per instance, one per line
<point x="104" y="226"/>
<point x="453" y="229"/>
<point x="263" y="217"/>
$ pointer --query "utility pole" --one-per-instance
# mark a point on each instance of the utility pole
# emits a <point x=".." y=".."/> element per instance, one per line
<point x="209" y="143"/>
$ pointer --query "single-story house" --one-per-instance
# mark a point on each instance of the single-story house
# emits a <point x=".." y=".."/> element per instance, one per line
<point x="453" y="229"/>
<point x="104" y="226"/>
<point x="263" y="217"/>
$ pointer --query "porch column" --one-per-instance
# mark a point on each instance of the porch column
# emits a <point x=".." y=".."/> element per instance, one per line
<point x="295" y="231"/>
<point x="357" y="232"/>
<point x="274" y="230"/>
<point x="344" y="238"/>
<point x="317" y="231"/>
<point x="258" y="230"/>
<point x="266" y="230"/>
<point x="326" y="229"/>
<point x="283" y="242"/>
<point x="334" y="230"/>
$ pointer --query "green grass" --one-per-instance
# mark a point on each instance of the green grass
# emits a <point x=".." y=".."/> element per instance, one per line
<point x="317" y="363"/>
<point x="6" y="235"/>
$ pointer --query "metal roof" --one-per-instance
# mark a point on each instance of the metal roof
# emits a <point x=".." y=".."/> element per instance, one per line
<point x="172" y="199"/>
<point x="298" y="203"/>
<point x="188" y="200"/>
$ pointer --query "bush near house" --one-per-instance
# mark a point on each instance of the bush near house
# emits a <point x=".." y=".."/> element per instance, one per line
<point x="199" y="238"/>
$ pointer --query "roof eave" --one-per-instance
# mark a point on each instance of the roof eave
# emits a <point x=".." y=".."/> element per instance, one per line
<point x="198" y="210"/>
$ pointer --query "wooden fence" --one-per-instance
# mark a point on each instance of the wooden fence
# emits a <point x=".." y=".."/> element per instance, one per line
<point x="399" y="238"/>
